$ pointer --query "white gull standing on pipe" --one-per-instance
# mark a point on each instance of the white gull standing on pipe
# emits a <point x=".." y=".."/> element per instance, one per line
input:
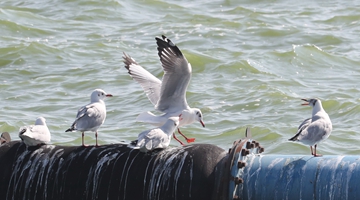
<point x="34" y="135"/>
<point x="169" y="94"/>
<point x="315" y="129"/>
<point x="91" y="116"/>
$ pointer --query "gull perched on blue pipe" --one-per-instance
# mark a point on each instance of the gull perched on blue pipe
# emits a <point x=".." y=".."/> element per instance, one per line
<point x="169" y="94"/>
<point x="315" y="129"/>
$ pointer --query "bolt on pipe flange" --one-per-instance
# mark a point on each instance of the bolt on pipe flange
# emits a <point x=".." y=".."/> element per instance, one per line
<point x="261" y="149"/>
<point x="241" y="164"/>
<point x="238" y="180"/>
<point x="245" y="152"/>
<point x="248" y="145"/>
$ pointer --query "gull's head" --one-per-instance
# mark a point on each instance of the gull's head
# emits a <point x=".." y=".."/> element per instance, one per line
<point x="40" y="121"/>
<point x="311" y="102"/>
<point x="99" y="94"/>
<point x="199" y="116"/>
<point x="175" y="121"/>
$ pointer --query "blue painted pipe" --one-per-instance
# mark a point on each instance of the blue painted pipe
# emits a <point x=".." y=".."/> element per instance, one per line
<point x="300" y="177"/>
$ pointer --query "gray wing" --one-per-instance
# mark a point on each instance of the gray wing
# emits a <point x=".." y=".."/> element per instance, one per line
<point x="148" y="82"/>
<point x="304" y="124"/>
<point x="89" y="116"/>
<point x="301" y="128"/>
<point x="315" y="131"/>
<point x="177" y="74"/>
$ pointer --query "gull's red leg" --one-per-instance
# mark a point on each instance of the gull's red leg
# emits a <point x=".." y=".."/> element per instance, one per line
<point x="316" y="155"/>
<point x="188" y="140"/>
<point x="82" y="138"/>
<point x="96" y="134"/>
<point x="177" y="139"/>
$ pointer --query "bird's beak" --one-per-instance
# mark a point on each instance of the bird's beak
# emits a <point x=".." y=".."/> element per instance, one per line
<point x="202" y="123"/>
<point x="306" y="103"/>
<point x="108" y="95"/>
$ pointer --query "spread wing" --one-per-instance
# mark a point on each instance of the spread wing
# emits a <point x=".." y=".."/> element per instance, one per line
<point x="177" y="74"/>
<point x="148" y="82"/>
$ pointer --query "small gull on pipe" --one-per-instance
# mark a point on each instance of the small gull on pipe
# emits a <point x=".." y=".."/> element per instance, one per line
<point x="157" y="138"/>
<point x="169" y="94"/>
<point x="91" y="116"/>
<point x="35" y="135"/>
<point x="315" y="129"/>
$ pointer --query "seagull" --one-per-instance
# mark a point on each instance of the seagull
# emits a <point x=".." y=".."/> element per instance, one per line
<point x="91" y="116"/>
<point x="158" y="137"/>
<point x="169" y="94"/>
<point x="5" y="138"/>
<point x="35" y="135"/>
<point x="315" y="129"/>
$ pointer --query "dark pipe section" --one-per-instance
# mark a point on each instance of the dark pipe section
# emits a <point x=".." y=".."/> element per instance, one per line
<point x="112" y="171"/>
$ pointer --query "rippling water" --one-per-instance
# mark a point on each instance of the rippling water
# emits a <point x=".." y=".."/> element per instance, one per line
<point x="252" y="62"/>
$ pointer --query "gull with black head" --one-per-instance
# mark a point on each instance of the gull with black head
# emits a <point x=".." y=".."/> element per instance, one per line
<point x="316" y="129"/>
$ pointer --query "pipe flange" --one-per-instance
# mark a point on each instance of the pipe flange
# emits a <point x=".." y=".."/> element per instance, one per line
<point x="238" y="155"/>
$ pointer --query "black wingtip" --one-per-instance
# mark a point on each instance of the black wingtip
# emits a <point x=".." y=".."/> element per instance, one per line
<point x="134" y="142"/>
<point x="22" y="131"/>
<point x="69" y="130"/>
<point x="128" y="60"/>
<point x="293" y="138"/>
<point x="165" y="43"/>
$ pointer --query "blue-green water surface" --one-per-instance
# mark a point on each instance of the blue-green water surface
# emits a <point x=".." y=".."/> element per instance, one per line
<point x="252" y="63"/>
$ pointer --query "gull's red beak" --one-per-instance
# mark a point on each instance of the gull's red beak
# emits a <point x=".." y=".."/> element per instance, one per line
<point x="306" y="103"/>
<point x="108" y="95"/>
<point x="202" y="123"/>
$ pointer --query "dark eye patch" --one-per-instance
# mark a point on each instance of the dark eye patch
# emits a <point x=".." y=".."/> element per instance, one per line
<point x="314" y="102"/>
